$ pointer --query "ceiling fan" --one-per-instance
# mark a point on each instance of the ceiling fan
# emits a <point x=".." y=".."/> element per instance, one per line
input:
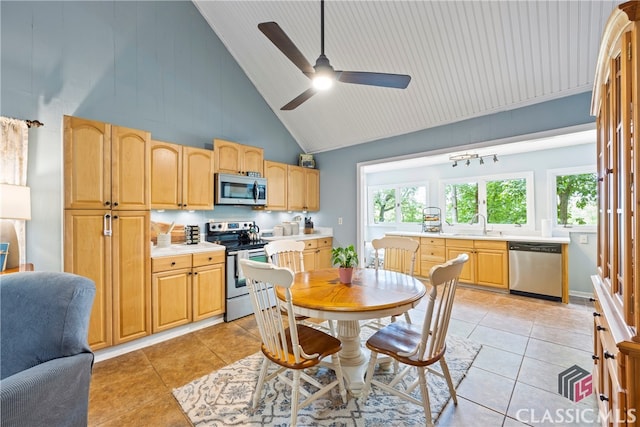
<point x="322" y="74"/>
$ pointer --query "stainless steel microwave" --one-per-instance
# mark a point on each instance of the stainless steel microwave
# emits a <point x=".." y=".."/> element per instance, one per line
<point x="240" y="190"/>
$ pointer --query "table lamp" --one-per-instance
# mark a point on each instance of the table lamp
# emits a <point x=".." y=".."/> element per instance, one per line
<point x="15" y="204"/>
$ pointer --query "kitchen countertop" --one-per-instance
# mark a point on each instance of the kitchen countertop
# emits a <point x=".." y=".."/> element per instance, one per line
<point x="183" y="249"/>
<point x="491" y="235"/>
<point x="318" y="233"/>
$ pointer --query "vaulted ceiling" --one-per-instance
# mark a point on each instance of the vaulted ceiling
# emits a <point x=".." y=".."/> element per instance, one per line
<point x="465" y="58"/>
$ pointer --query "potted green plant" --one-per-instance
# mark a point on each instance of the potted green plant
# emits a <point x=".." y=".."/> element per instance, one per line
<point x="345" y="258"/>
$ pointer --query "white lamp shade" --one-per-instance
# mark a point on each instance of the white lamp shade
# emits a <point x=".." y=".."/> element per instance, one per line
<point x="15" y="202"/>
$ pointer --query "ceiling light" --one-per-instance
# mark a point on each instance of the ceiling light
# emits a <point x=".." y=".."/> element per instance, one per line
<point x="324" y="76"/>
<point x="495" y="158"/>
<point x="454" y="164"/>
<point x="468" y="162"/>
<point x="481" y="161"/>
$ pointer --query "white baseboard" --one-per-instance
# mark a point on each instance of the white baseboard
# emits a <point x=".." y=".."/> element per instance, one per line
<point x="121" y="349"/>
<point x="580" y="294"/>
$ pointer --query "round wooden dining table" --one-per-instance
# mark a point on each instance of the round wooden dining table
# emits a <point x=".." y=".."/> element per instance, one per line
<point x="371" y="294"/>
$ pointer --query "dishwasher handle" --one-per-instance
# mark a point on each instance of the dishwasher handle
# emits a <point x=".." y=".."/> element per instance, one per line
<point x="549" y="248"/>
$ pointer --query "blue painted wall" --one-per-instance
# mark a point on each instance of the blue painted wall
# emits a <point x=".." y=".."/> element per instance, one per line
<point x="156" y="66"/>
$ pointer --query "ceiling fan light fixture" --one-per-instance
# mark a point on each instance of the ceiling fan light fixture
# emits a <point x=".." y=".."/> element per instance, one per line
<point x="322" y="81"/>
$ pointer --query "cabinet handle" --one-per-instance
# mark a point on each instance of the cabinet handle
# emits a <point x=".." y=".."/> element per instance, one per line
<point x="107" y="203"/>
<point x="594" y="357"/>
<point x="592" y="299"/>
<point x="210" y="258"/>
<point x="115" y="217"/>
<point x="596" y="314"/>
<point x="601" y="328"/>
<point x="602" y="397"/>
<point x="600" y="179"/>
<point x="115" y="203"/>
<point x="196" y="273"/>
<point x="608" y="355"/>
<point x="609" y="170"/>
<point x="173" y="263"/>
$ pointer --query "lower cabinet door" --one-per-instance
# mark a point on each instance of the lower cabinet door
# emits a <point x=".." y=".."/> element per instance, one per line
<point x="171" y="294"/>
<point x="208" y="291"/>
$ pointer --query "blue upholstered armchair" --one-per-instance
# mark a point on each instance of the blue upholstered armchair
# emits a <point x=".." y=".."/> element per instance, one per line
<point x="45" y="360"/>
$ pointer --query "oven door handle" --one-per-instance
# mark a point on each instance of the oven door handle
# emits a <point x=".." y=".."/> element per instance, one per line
<point x="255" y="191"/>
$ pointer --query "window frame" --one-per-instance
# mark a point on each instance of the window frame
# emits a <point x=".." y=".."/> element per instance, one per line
<point x="553" y="197"/>
<point x="396" y="187"/>
<point x="482" y="180"/>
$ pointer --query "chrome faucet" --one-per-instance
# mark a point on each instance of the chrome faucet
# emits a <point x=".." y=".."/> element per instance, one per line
<point x="476" y="218"/>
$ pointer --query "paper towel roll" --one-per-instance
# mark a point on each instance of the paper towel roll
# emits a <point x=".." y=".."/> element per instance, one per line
<point x="546" y="228"/>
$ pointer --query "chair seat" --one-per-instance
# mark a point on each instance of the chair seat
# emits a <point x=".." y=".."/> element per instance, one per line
<point x="312" y="341"/>
<point x="401" y="337"/>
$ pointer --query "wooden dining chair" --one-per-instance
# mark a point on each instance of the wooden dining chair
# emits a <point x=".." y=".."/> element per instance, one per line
<point x="289" y="254"/>
<point x="417" y="346"/>
<point x="399" y="255"/>
<point x="293" y="348"/>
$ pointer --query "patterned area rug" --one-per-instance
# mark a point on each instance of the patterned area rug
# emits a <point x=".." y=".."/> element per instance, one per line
<point x="224" y="397"/>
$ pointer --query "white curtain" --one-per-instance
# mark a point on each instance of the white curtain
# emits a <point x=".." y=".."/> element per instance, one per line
<point x="14" y="141"/>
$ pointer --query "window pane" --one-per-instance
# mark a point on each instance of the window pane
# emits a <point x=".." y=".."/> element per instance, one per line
<point x="412" y="201"/>
<point x="461" y="202"/>
<point x="384" y="206"/>
<point x="507" y="201"/>
<point x="576" y="198"/>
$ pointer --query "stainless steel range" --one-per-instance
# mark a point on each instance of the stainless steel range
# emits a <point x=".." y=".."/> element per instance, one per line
<point x="239" y="239"/>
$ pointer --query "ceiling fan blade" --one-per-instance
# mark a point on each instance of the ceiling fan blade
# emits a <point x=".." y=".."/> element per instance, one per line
<point x="279" y="38"/>
<point x="295" y="102"/>
<point x="398" y="81"/>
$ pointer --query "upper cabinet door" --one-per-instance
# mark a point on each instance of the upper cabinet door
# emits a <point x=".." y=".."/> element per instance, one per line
<point x="312" y="193"/>
<point x="276" y="174"/>
<point x="197" y="181"/>
<point x="87" y="164"/>
<point x="228" y="156"/>
<point x="131" y="169"/>
<point x="295" y="188"/>
<point x="166" y="175"/>
<point x="253" y="160"/>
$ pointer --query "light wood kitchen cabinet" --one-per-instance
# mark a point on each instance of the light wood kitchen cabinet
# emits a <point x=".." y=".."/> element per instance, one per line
<point x="616" y="321"/>
<point x="432" y="253"/>
<point x="276" y="174"/>
<point x="106" y="227"/>
<point x="303" y="189"/>
<point x="112" y="249"/>
<point x="488" y="263"/>
<point x="235" y="158"/>
<point x="317" y="253"/>
<point x="181" y="177"/>
<point x="105" y="166"/>
<point x="186" y="288"/>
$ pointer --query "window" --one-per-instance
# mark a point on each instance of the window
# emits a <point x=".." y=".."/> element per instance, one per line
<point x="574" y="195"/>
<point x="393" y="204"/>
<point x="504" y="200"/>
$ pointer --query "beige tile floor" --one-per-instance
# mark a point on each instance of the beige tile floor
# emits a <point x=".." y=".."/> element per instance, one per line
<point x="526" y="343"/>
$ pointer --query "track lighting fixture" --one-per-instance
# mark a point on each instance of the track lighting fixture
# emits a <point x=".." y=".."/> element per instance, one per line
<point x="468" y="156"/>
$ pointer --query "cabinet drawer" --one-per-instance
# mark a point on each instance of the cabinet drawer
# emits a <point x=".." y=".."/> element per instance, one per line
<point x="324" y="242"/>
<point x="490" y="244"/>
<point x="310" y="244"/>
<point x="433" y="253"/>
<point x="459" y="243"/>
<point x="207" y="258"/>
<point x="168" y="263"/>
<point x="431" y="241"/>
<point x="426" y="266"/>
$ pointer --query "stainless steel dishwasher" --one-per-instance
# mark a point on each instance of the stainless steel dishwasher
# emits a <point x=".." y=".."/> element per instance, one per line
<point x="535" y="270"/>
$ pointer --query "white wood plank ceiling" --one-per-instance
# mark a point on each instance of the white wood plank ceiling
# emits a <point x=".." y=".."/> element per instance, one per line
<point x="466" y="59"/>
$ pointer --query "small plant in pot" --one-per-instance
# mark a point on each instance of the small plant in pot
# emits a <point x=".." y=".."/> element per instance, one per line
<point x="345" y="258"/>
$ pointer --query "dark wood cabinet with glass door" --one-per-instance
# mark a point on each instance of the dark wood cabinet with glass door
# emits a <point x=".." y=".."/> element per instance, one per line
<point x="617" y="282"/>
